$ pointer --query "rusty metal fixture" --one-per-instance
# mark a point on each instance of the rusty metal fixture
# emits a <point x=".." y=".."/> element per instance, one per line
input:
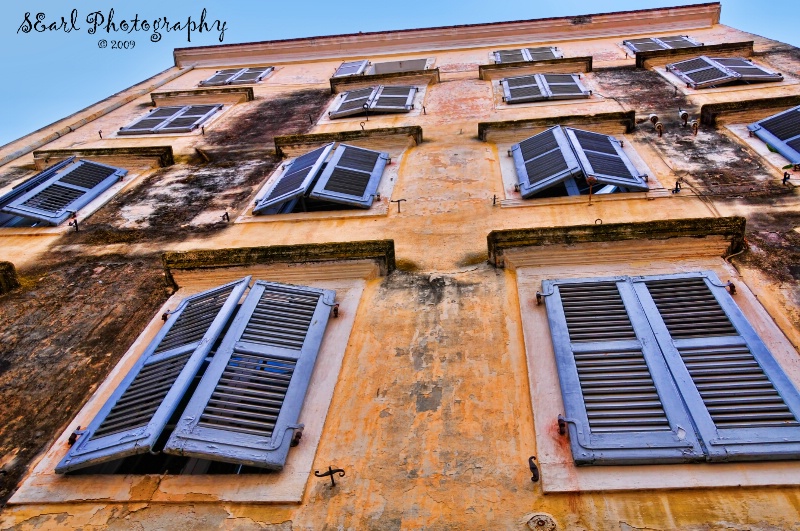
<point x="695" y="127"/>
<point x="653" y="119"/>
<point x="298" y="434"/>
<point x="73" y="437"/>
<point x="398" y="203"/>
<point x="534" y="468"/>
<point x="731" y="287"/>
<point x="538" y="298"/>
<point x="335" y="310"/>
<point x="660" y="128"/>
<point x="331" y="472"/>
<point x="684" y="116"/>
<point x="562" y="425"/>
<point x="100" y="132"/>
<point x="542" y="522"/>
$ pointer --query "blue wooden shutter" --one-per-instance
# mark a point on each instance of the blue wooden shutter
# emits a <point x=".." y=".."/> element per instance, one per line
<point x="354" y="102"/>
<point x="393" y="99"/>
<point x="250" y="75"/>
<point x="540" y="54"/>
<point x="746" y="70"/>
<point x="644" y="45"/>
<point x="544" y="160"/>
<point x="511" y="56"/>
<point x="563" y="86"/>
<point x="351" y="177"/>
<point x="781" y="131"/>
<point x="221" y="77"/>
<point x="523" y="89"/>
<point x="246" y="407"/>
<point x="149" y="122"/>
<point x="295" y="180"/>
<point x="621" y="404"/>
<point x="134" y="416"/>
<point x="701" y="72"/>
<point x="190" y="118"/>
<point x="742" y="403"/>
<point x="601" y="156"/>
<point x="54" y="199"/>
<point x="351" y="68"/>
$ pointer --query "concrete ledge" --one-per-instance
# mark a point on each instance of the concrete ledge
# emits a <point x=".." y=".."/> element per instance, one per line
<point x="730" y="228"/>
<point x="414" y="77"/>
<point x="203" y="95"/>
<point x="746" y="110"/>
<point x="162" y="154"/>
<point x="414" y="131"/>
<point x="382" y="251"/>
<point x="624" y="120"/>
<point x="8" y="277"/>
<point x="564" y="65"/>
<point x="662" y="57"/>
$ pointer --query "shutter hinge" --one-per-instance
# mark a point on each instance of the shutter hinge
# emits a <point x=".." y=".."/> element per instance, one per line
<point x="534" y="468"/>
<point x="73" y="437"/>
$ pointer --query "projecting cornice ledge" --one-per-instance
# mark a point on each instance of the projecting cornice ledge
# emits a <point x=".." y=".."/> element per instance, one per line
<point x="729" y="230"/>
<point x="381" y="251"/>
<point x="683" y="18"/>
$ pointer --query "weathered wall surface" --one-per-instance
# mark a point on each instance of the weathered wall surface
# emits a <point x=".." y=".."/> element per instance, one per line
<point x="431" y="417"/>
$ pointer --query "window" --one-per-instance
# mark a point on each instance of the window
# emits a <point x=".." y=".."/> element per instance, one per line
<point x="661" y="43"/>
<point x="540" y="87"/>
<point x="54" y="194"/>
<point x="702" y="72"/>
<point x="364" y="66"/>
<point x="565" y="161"/>
<point x="237" y="76"/>
<point x="325" y="179"/>
<point x="782" y="132"/>
<point x="219" y="383"/>
<point x="666" y="369"/>
<point x="526" y="54"/>
<point x="176" y="119"/>
<point x="380" y="99"/>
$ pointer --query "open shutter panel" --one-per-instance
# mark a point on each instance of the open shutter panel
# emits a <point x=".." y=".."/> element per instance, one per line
<point x="33" y="182"/>
<point x="510" y="56"/>
<point x="190" y="118"/>
<point x="621" y="404"/>
<point x="151" y="121"/>
<point x="354" y="102"/>
<point x="294" y="182"/>
<point x="523" y="89"/>
<point x="643" y="45"/>
<point x="351" y="68"/>
<point x="544" y="160"/>
<point x="678" y="41"/>
<point x="701" y="72"/>
<point x="250" y="75"/>
<point x="746" y="70"/>
<point x="781" y="131"/>
<point x="222" y="77"/>
<point x="564" y="86"/>
<point x="134" y="416"/>
<point x="351" y="177"/>
<point x="601" y="156"/>
<point x="53" y="200"/>
<point x="743" y="405"/>
<point x="393" y="99"/>
<point x="246" y="407"/>
<point x="540" y="54"/>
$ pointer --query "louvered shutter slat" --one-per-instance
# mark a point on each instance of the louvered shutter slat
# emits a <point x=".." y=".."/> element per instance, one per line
<point x="393" y="99"/>
<point x="134" y="416"/>
<point x="509" y="56"/>
<point x="541" y="54"/>
<point x="148" y="123"/>
<point x="781" y="131"/>
<point x="250" y="75"/>
<point x="523" y="89"/>
<point x="247" y="404"/>
<point x="564" y="86"/>
<point x="620" y="404"/>
<point x="294" y="182"/>
<point x="172" y="119"/>
<point x="351" y="177"/>
<point x="544" y="160"/>
<point x="354" y="102"/>
<point x="701" y="72"/>
<point x="221" y="77"/>
<point x="351" y="68"/>
<point x="69" y="191"/>
<point x="744" y="406"/>
<point x="602" y="157"/>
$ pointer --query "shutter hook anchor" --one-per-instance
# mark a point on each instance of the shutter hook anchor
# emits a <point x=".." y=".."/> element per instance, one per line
<point x="331" y="472"/>
<point x="534" y="468"/>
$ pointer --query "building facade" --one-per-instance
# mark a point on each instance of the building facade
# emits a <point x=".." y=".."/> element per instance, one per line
<point x="526" y="275"/>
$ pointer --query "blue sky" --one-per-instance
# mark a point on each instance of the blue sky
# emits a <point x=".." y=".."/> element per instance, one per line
<point x="56" y="73"/>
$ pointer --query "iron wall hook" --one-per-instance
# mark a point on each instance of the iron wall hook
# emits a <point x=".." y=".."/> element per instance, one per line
<point x="331" y="472"/>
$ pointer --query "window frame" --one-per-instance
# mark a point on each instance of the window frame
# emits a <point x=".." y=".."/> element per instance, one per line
<point x="729" y="73"/>
<point x="663" y="45"/>
<point x="233" y="77"/>
<point x="164" y="126"/>
<point x="527" y="54"/>
<point x="545" y="91"/>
